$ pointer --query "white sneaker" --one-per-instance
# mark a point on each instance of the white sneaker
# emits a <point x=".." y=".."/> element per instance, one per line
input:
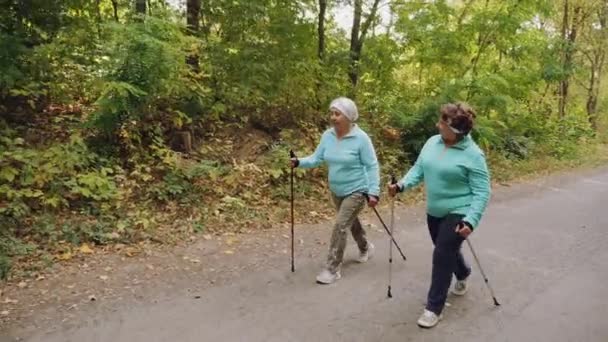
<point x="460" y="287"/>
<point x="365" y="256"/>
<point x="326" y="277"/>
<point x="428" y="319"/>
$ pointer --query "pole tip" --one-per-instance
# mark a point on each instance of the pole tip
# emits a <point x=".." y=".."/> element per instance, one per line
<point x="496" y="303"/>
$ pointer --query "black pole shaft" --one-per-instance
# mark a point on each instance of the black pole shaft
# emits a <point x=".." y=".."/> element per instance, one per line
<point x="483" y="273"/>
<point x="292" y="224"/>
<point x="390" y="252"/>
<point x="389" y="233"/>
<point x="293" y="268"/>
<point x="389" y="294"/>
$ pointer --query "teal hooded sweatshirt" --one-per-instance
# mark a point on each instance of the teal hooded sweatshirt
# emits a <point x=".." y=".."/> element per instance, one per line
<point x="456" y="179"/>
<point x="352" y="162"/>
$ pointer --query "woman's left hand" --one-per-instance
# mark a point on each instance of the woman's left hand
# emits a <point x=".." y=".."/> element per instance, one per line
<point x="372" y="201"/>
<point x="463" y="230"/>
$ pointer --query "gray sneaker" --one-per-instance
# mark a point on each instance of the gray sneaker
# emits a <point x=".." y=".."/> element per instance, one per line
<point x="327" y="277"/>
<point x="365" y="256"/>
<point x="428" y="319"/>
<point x="460" y="287"/>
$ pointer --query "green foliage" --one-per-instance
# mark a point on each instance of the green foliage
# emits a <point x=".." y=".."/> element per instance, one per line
<point x="145" y="75"/>
<point x="56" y="177"/>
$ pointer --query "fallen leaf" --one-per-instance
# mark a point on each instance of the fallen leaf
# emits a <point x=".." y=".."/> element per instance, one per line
<point x="4" y="313"/>
<point x="65" y="256"/>
<point x="130" y="252"/>
<point x="207" y="237"/>
<point x="107" y="269"/>
<point x="103" y="277"/>
<point x="85" y="249"/>
<point x="285" y="236"/>
<point x="150" y="267"/>
<point x="228" y="252"/>
<point x="196" y="261"/>
<point x="40" y="278"/>
<point x="10" y="301"/>
<point x="114" y="236"/>
<point x="22" y="284"/>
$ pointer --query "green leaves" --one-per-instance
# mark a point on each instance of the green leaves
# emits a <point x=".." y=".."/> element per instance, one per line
<point x="8" y="173"/>
<point x="51" y="176"/>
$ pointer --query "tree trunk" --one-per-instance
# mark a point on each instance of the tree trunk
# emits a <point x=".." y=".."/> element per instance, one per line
<point x="181" y="141"/>
<point x="355" y="48"/>
<point x="321" y="28"/>
<point x="98" y="15"/>
<point x="357" y="37"/>
<point x="563" y="84"/>
<point x="140" y="7"/>
<point x="115" y="7"/>
<point x="570" y="39"/>
<point x="193" y="13"/>
<point x="597" y="66"/>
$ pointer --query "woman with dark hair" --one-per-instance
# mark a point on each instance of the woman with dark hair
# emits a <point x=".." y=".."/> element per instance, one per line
<point x="457" y="184"/>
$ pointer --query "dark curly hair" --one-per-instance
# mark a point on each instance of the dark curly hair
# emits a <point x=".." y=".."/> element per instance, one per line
<point x="459" y="116"/>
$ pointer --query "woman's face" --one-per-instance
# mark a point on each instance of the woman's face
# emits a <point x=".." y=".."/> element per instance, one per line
<point x="446" y="133"/>
<point x="339" y="120"/>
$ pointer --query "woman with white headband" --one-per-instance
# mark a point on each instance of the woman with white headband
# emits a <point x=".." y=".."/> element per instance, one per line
<point x="457" y="183"/>
<point x="354" y="179"/>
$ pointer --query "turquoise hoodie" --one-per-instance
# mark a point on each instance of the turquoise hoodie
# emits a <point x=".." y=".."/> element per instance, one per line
<point x="456" y="179"/>
<point x="352" y="162"/>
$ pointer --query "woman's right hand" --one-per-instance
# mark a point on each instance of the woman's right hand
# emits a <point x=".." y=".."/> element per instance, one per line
<point x="294" y="162"/>
<point x="393" y="189"/>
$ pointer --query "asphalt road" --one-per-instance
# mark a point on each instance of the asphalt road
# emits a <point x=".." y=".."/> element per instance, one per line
<point x="544" y="247"/>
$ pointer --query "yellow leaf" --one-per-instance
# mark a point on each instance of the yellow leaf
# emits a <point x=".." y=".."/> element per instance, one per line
<point x="228" y="252"/>
<point x="131" y="252"/>
<point x="65" y="256"/>
<point x="85" y="249"/>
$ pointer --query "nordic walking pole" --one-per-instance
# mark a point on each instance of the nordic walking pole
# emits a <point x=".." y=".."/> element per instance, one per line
<point x="293" y="269"/>
<point x="482" y="273"/>
<point x="390" y="244"/>
<point x="389" y="233"/>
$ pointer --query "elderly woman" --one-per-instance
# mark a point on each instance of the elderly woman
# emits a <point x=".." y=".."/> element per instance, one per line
<point x="354" y="179"/>
<point x="457" y="185"/>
